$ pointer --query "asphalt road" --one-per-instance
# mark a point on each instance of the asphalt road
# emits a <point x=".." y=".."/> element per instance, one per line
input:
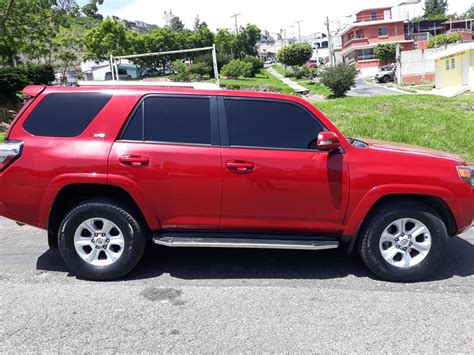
<point x="366" y="88"/>
<point x="205" y="300"/>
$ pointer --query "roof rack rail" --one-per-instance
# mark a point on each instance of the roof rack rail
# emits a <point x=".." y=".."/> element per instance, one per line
<point x="164" y="84"/>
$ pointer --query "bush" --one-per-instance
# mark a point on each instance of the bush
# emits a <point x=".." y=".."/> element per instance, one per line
<point x="308" y="73"/>
<point x="181" y="72"/>
<point x="257" y="64"/>
<point x="12" y="80"/>
<point x="295" y="54"/>
<point x="40" y="74"/>
<point x="200" y="69"/>
<point x="339" y="78"/>
<point x="236" y="68"/>
<point x="441" y="40"/>
<point x="207" y="59"/>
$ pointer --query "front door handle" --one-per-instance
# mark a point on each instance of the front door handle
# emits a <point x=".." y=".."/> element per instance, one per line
<point x="239" y="166"/>
<point x="136" y="161"/>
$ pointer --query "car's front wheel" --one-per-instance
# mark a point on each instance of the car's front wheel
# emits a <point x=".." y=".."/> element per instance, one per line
<point x="101" y="240"/>
<point x="403" y="241"/>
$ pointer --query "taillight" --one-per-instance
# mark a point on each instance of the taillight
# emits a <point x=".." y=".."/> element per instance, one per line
<point x="467" y="174"/>
<point x="9" y="152"/>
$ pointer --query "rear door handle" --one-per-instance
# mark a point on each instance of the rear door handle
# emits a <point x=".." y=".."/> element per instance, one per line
<point x="136" y="161"/>
<point x="239" y="166"/>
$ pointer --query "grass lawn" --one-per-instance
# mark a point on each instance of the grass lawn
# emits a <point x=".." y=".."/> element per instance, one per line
<point x="314" y="88"/>
<point x="440" y="123"/>
<point x="2" y="136"/>
<point x="264" y="81"/>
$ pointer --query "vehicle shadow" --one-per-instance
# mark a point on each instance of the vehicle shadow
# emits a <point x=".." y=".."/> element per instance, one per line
<point x="208" y="263"/>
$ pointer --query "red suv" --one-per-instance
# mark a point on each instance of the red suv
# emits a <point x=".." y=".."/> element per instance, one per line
<point x="106" y="168"/>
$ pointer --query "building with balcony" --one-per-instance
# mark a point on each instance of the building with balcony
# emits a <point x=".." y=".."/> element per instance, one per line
<point x="370" y="28"/>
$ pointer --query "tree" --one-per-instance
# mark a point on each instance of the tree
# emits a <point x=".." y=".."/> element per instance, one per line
<point x="247" y="39"/>
<point x="28" y="28"/>
<point x="386" y="52"/>
<point x="110" y="38"/>
<point x="92" y="10"/>
<point x="197" y="23"/>
<point x="441" y="40"/>
<point x="226" y="42"/>
<point x="470" y="12"/>
<point x="296" y="54"/>
<point x="435" y="9"/>
<point x="173" y="22"/>
<point x="339" y="78"/>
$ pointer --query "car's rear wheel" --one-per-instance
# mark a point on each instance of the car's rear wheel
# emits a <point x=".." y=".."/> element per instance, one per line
<point x="403" y="241"/>
<point x="100" y="240"/>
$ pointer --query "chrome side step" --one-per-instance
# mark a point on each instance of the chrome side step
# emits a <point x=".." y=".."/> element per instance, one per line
<point x="212" y="242"/>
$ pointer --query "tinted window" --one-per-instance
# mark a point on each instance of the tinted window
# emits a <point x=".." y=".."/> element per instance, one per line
<point x="134" y="129"/>
<point x="65" y="115"/>
<point x="178" y="120"/>
<point x="270" y="124"/>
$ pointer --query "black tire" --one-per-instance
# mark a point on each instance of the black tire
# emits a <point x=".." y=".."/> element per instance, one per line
<point x="386" y="79"/>
<point x="371" y="232"/>
<point x="133" y="232"/>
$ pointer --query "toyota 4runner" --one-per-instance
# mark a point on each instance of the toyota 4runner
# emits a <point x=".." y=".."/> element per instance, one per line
<point x="106" y="168"/>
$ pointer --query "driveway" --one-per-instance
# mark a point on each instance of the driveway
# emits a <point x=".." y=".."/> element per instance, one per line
<point x="366" y="88"/>
<point x="205" y="300"/>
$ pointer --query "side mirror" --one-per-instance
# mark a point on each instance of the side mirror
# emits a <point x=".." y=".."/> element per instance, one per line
<point x="328" y="141"/>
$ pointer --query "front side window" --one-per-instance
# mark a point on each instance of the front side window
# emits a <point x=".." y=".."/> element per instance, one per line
<point x="270" y="124"/>
<point x="447" y="64"/>
<point x="169" y="119"/>
<point x="373" y="15"/>
<point x="382" y="31"/>
<point x="65" y="115"/>
<point x="453" y="63"/>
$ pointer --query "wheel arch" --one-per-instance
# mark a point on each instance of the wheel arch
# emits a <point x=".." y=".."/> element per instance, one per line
<point x="434" y="202"/>
<point x="71" y="195"/>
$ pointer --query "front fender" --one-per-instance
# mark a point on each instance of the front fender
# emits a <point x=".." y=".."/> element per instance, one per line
<point x="354" y="218"/>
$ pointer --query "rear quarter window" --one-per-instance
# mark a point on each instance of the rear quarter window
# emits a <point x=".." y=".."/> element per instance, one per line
<point x="65" y="115"/>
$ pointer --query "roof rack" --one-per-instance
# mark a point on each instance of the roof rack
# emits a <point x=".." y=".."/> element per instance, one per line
<point x="163" y="84"/>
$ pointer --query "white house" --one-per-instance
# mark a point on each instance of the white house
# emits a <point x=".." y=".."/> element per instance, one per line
<point x="92" y="70"/>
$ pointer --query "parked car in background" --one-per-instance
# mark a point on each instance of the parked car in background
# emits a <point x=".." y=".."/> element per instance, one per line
<point x="386" y="73"/>
<point x="105" y="169"/>
<point x="151" y="73"/>
<point x="312" y="64"/>
<point x="123" y="75"/>
<point x="154" y="72"/>
<point x="270" y="61"/>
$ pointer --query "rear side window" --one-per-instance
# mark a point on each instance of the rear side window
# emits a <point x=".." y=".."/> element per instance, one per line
<point x="171" y="119"/>
<point x="270" y="124"/>
<point x="65" y="115"/>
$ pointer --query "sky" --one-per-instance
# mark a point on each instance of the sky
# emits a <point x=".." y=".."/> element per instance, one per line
<point x="267" y="15"/>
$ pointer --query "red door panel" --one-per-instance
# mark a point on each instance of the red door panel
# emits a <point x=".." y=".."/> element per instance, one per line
<point x="301" y="191"/>
<point x="183" y="182"/>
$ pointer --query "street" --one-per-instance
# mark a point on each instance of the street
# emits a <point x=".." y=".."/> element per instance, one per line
<point x="217" y="300"/>
<point x="366" y="88"/>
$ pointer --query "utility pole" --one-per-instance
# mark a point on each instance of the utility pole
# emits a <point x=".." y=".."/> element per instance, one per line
<point x="331" y="59"/>
<point x="235" y="19"/>
<point x="299" y="29"/>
